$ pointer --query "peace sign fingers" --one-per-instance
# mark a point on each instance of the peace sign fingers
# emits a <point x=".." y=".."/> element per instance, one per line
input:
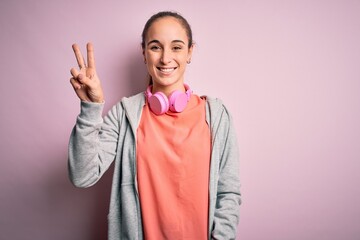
<point x="85" y="81"/>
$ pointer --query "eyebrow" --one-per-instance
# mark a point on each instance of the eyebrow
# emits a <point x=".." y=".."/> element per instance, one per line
<point x="157" y="41"/>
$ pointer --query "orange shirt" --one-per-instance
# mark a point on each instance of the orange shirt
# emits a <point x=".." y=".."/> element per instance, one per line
<point x="173" y="162"/>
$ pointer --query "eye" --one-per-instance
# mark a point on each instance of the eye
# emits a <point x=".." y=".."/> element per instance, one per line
<point x="155" y="48"/>
<point x="177" y="48"/>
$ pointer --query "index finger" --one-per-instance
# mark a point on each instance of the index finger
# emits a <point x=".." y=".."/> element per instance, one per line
<point x="78" y="55"/>
<point x="90" y="55"/>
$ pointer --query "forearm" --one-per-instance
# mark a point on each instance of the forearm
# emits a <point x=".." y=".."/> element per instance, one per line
<point x="92" y="144"/>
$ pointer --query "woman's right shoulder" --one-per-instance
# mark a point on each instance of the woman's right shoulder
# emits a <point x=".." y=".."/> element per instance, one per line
<point x="129" y="107"/>
<point x="136" y="98"/>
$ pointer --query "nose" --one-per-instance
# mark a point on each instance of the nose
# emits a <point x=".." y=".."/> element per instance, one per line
<point x="166" y="56"/>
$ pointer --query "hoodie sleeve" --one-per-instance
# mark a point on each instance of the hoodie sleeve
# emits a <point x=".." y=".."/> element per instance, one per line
<point x="93" y="144"/>
<point x="226" y="214"/>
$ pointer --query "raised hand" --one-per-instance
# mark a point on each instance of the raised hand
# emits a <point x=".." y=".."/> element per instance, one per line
<point x="85" y="81"/>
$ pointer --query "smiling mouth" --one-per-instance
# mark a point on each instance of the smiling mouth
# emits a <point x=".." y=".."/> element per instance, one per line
<point x="166" y="70"/>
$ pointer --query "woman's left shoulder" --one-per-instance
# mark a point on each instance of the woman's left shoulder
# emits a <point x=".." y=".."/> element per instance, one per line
<point x="216" y="110"/>
<point x="213" y="102"/>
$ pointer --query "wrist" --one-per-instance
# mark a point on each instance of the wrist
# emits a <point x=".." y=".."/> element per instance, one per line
<point x="99" y="101"/>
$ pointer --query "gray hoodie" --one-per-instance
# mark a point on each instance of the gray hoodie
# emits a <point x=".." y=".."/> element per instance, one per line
<point x="96" y="142"/>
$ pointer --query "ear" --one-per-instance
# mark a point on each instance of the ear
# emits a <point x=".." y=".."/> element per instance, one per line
<point x="191" y="48"/>
<point x="143" y="53"/>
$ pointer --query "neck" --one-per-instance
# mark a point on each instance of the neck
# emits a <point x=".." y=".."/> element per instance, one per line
<point x="167" y="90"/>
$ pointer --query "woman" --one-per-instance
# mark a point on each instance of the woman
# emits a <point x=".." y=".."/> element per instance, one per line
<point x="175" y="153"/>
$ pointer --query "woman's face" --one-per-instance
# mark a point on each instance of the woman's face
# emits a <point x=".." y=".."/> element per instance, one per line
<point x="166" y="54"/>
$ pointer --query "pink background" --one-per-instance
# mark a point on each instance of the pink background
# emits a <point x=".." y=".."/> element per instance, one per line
<point x="289" y="71"/>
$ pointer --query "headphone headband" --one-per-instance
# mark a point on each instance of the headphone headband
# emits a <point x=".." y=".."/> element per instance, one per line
<point x="188" y="91"/>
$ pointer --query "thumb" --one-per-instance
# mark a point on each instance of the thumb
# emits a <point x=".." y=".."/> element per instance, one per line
<point x="82" y="79"/>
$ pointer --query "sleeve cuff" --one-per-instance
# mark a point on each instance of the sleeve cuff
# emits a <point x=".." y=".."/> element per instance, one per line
<point x="91" y="111"/>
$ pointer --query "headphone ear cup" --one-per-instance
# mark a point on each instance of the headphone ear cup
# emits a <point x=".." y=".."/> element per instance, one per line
<point x="158" y="103"/>
<point x="178" y="101"/>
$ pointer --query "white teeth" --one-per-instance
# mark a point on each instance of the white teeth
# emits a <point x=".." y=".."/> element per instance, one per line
<point x="167" y="69"/>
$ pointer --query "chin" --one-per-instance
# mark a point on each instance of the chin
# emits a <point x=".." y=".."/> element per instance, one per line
<point x="166" y="82"/>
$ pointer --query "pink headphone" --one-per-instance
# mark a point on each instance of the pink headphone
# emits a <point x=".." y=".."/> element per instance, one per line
<point x="159" y="103"/>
